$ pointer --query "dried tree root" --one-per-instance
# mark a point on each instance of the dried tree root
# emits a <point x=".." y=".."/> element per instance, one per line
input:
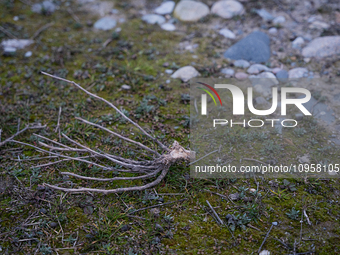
<point x="156" y="168"/>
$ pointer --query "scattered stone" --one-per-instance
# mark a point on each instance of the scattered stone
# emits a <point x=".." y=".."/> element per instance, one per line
<point x="257" y="68"/>
<point x="185" y="73"/>
<point x="169" y="71"/>
<point x="319" y="25"/>
<point x="265" y="15"/>
<point x="264" y="252"/>
<point x="43" y="210"/>
<point x="168" y="27"/>
<point x="241" y="63"/>
<point x="165" y="8"/>
<point x="241" y="76"/>
<point x="282" y="75"/>
<point x="227" y="8"/>
<point x="46" y="7"/>
<point x="15" y="18"/>
<point x="126" y="87"/>
<point x="279" y="20"/>
<point x="125" y="228"/>
<point x="28" y="54"/>
<point x="322" y="47"/>
<point x="272" y="30"/>
<point x="189" y="10"/>
<point x="296" y="44"/>
<point x="9" y="51"/>
<point x="274" y="223"/>
<point x="304" y="159"/>
<point x="263" y="83"/>
<point x="159" y="228"/>
<point x="228" y="72"/>
<point x="105" y="23"/>
<point x="53" y="224"/>
<point x="153" y="19"/>
<point x="254" y="47"/>
<point x="16" y="43"/>
<point x="235" y="196"/>
<point x="252" y="190"/>
<point x="260" y="101"/>
<point x="276" y="70"/>
<point x="227" y="33"/>
<point x="297" y="73"/>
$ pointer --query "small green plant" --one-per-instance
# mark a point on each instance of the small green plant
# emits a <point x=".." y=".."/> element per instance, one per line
<point x="299" y="131"/>
<point x="293" y="214"/>
<point x="168" y="218"/>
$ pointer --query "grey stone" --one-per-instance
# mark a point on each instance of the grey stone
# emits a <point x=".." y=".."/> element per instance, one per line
<point x="191" y="11"/>
<point x="272" y="30"/>
<point x="318" y="25"/>
<point x="46" y="7"/>
<point x="257" y="68"/>
<point x="264" y="252"/>
<point x="126" y="87"/>
<point x="227" y="8"/>
<point x="165" y="8"/>
<point x="263" y="83"/>
<point x="9" y="51"/>
<point x="16" y="43"/>
<point x="282" y="75"/>
<point x="296" y="44"/>
<point x="235" y="196"/>
<point x="319" y="110"/>
<point x="227" y="33"/>
<point x="322" y="47"/>
<point x="297" y="73"/>
<point x="241" y="63"/>
<point x="43" y="210"/>
<point x="274" y="223"/>
<point x="168" y="27"/>
<point x="169" y="71"/>
<point x="185" y="73"/>
<point x="28" y="54"/>
<point x="153" y="19"/>
<point x="265" y="15"/>
<point x="105" y="23"/>
<point x="279" y="20"/>
<point x="241" y="76"/>
<point x="53" y="224"/>
<point x="254" y="47"/>
<point x="228" y="72"/>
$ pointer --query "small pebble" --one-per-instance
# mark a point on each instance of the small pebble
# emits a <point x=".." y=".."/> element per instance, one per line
<point x="126" y="87"/>
<point x="53" y="224"/>
<point x="169" y="71"/>
<point x="241" y="76"/>
<point x="43" y="210"/>
<point x="28" y="54"/>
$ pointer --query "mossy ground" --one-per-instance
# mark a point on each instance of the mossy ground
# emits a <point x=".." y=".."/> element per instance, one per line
<point x="35" y="220"/>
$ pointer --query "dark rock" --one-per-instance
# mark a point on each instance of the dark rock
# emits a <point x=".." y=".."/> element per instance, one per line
<point x="254" y="47"/>
<point x="125" y="228"/>
<point x="43" y="210"/>
<point x="53" y="224"/>
<point x="282" y="75"/>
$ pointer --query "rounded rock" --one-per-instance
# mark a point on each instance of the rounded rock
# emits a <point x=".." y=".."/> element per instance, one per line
<point x="227" y="9"/>
<point x="191" y="11"/>
<point x="153" y="19"/>
<point x="185" y="73"/>
<point x="241" y="63"/>
<point x="105" y="23"/>
<point x="165" y="8"/>
<point x="241" y="76"/>
<point x="297" y="73"/>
